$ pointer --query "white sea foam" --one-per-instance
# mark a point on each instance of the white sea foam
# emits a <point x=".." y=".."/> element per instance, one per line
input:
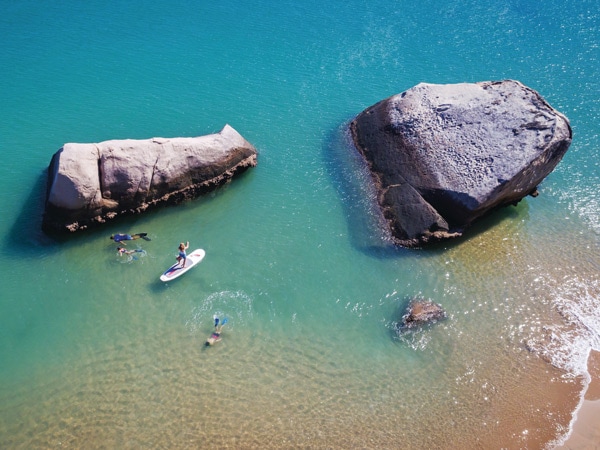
<point x="567" y="345"/>
<point x="417" y="340"/>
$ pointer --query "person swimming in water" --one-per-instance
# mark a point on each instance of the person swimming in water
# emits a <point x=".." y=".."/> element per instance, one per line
<point x="129" y="237"/>
<point x="123" y="251"/>
<point x="216" y="335"/>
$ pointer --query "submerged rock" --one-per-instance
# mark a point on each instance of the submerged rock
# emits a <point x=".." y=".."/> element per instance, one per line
<point x="90" y="183"/>
<point x="420" y="312"/>
<point x="443" y="156"/>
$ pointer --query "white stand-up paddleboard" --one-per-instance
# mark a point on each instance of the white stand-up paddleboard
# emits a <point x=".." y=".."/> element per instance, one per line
<point x="176" y="270"/>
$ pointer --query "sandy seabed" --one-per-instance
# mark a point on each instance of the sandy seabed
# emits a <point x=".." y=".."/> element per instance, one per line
<point x="210" y="399"/>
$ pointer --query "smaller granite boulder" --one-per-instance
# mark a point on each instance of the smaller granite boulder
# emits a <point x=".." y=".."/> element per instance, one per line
<point x="420" y="312"/>
<point x="91" y="183"/>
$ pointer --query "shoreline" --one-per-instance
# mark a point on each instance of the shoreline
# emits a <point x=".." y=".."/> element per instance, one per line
<point x="585" y="427"/>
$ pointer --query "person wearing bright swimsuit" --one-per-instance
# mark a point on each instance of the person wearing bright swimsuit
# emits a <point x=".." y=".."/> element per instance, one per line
<point x="216" y="335"/>
<point x="123" y="251"/>
<point x="182" y="255"/>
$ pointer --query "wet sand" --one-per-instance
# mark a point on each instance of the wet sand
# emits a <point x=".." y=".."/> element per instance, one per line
<point x="586" y="430"/>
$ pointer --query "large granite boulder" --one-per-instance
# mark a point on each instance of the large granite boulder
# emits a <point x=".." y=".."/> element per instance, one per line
<point x="442" y="156"/>
<point x="90" y="183"/>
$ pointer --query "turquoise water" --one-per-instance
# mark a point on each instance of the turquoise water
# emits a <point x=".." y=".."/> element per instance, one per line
<point x="96" y="352"/>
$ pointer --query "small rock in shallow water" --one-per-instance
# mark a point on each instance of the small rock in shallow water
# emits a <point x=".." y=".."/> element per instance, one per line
<point x="420" y="312"/>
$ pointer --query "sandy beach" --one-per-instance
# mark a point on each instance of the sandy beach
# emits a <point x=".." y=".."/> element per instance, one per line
<point x="586" y="430"/>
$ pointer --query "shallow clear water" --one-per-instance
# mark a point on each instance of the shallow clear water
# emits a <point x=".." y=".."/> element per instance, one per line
<point x="97" y="352"/>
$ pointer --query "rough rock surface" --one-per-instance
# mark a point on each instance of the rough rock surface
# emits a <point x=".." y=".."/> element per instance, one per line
<point x="421" y="312"/>
<point x="442" y="156"/>
<point x="90" y="183"/>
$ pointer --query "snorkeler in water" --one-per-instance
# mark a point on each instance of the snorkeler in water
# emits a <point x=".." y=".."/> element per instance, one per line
<point x="216" y="335"/>
<point x="123" y="251"/>
<point x="129" y="237"/>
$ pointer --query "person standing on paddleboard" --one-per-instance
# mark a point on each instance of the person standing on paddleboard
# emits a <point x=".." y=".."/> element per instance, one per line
<point x="182" y="255"/>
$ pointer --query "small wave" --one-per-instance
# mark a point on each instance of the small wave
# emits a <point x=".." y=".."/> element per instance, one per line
<point x="567" y="345"/>
<point x="417" y="340"/>
<point x="230" y="304"/>
<point x="582" y="196"/>
<point x="566" y="342"/>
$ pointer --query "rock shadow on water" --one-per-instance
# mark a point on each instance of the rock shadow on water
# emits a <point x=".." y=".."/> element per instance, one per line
<point x="26" y="236"/>
<point x="350" y="176"/>
<point x="508" y="218"/>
